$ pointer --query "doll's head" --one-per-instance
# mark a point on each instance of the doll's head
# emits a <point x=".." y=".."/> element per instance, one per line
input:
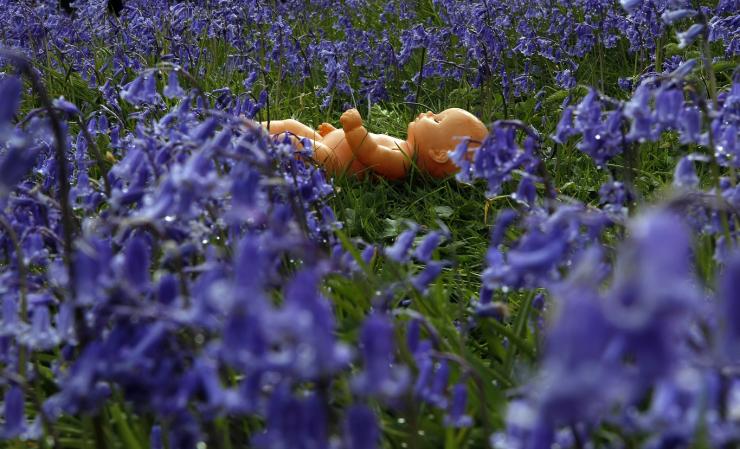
<point x="433" y="135"/>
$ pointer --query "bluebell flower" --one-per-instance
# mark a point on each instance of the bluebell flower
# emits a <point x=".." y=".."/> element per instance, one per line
<point x="435" y="392"/>
<point x="380" y="375"/>
<point x="430" y="242"/>
<point x="422" y="280"/>
<point x="671" y="16"/>
<point x="685" y="174"/>
<point x="689" y="36"/>
<point x="729" y="307"/>
<point x="399" y="252"/>
<point x="308" y="317"/>
<point x="460" y="157"/>
<point x="639" y="111"/>
<point x="135" y="91"/>
<point x="668" y="105"/>
<point x="41" y="336"/>
<point x="361" y="428"/>
<point x="683" y="69"/>
<point x="690" y="127"/>
<point x="537" y="253"/>
<point x="625" y="84"/>
<point x="564" y="129"/>
<point x="66" y="106"/>
<point x="614" y="196"/>
<point x="10" y="91"/>
<point x="173" y="89"/>
<point x="136" y="263"/>
<point x="654" y="293"/>
<point x="526" y="192"/>
<point x="155" y="437"/>
<point x="15" y="164"/>
<point x="14" y="413"/>
<point x="456" y="416"/>
<point x="504" y="219"/>
<point x="565" y="79"/>
<point x="293" y="422"/>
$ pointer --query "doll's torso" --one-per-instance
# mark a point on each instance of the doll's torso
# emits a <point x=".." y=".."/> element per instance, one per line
<point x="342" y="159"/>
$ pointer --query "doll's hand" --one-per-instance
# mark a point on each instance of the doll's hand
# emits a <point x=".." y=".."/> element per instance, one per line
<point x="325" y="128"/>
<point x="350" y="120"/>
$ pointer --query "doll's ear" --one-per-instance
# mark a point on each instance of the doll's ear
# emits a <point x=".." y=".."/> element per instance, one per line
<point x="439" y="155"/>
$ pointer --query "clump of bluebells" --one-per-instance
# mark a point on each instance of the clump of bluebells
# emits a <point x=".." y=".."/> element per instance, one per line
<point x="193" y="289"/>
<point x="508" y="48"/>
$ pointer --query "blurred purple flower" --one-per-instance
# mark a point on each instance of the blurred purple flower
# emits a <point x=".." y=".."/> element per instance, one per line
<point x="456" y="416"/>
<point x="689" y="36"/>
<point x="399" y="252"/>
<point x="173" y="89"/>
<point x="14" y="413"/>
<point x="361" y="428"/>
<point x="380" y="375"/>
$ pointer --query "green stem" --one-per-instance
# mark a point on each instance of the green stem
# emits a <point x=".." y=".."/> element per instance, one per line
<point x="68" y="227"/>
<point x="421" y="77"/>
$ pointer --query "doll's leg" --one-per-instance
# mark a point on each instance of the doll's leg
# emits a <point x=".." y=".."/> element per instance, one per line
<point x="387" y="162"/>
<point x="291" y="126"/>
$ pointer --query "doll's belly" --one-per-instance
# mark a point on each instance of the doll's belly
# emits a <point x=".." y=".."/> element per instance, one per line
<point x="341" y="158"/>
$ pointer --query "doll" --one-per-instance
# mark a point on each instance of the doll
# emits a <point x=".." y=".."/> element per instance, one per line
<point x="354" y="150"/>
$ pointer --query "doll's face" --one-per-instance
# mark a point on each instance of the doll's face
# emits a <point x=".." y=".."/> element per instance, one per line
<point x="433" y="135"/>
<point x="445" y="130"/>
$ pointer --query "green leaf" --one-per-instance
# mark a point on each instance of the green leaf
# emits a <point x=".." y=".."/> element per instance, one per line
<point x="443" y="211"/>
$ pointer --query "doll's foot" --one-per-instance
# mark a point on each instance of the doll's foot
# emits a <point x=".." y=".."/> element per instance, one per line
<point x="350" y="120"/>
<point x="325" y="128"/>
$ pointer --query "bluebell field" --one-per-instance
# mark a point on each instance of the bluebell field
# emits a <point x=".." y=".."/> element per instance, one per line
<point x="173" y="277"/>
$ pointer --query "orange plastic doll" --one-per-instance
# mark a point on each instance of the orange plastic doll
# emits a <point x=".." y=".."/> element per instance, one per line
<point x="354" y="150"/>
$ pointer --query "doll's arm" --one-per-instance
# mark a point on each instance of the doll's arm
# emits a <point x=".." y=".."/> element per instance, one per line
<point x="387" y="162"/>
<point x="291" y="126"/>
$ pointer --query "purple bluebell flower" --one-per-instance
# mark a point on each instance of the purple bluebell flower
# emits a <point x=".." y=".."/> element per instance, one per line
<point x="361" y="428"/>
<point x="173" y="89"/>
<point x="690" y="128"/>
<point x="672" y="16"/>
<point x="14" y="413"/>
<point x="422" y="280"/>
<point x="685" y="174"/>
<point x="504" y="219"/>
<point x="638" y="110"/>
<point x="10" y="92"/>
<point x="526" y="192"/>
<point x="456" y="416"/>
<point x="143" y="89"/>
<point x="565" y="79"/>
<point x="682" y="68"/>
<point x="564" y="129"/>
<point x="155" y="437"/>
<point x="729" y="307"/>
<point x="625" y="84"/>
<point x="431" y="385"/>
<point x="380" y="375"/>
<point x="668" y="105"/>
<point x="689" y="36"/>
<point x="427" y="246"/>
<point x="399" y="252"/>
<point x="15" y="164"/>
<point x="136" y="263"/>
<point x="41" y="335"/>
<point x="66" y="106"/>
